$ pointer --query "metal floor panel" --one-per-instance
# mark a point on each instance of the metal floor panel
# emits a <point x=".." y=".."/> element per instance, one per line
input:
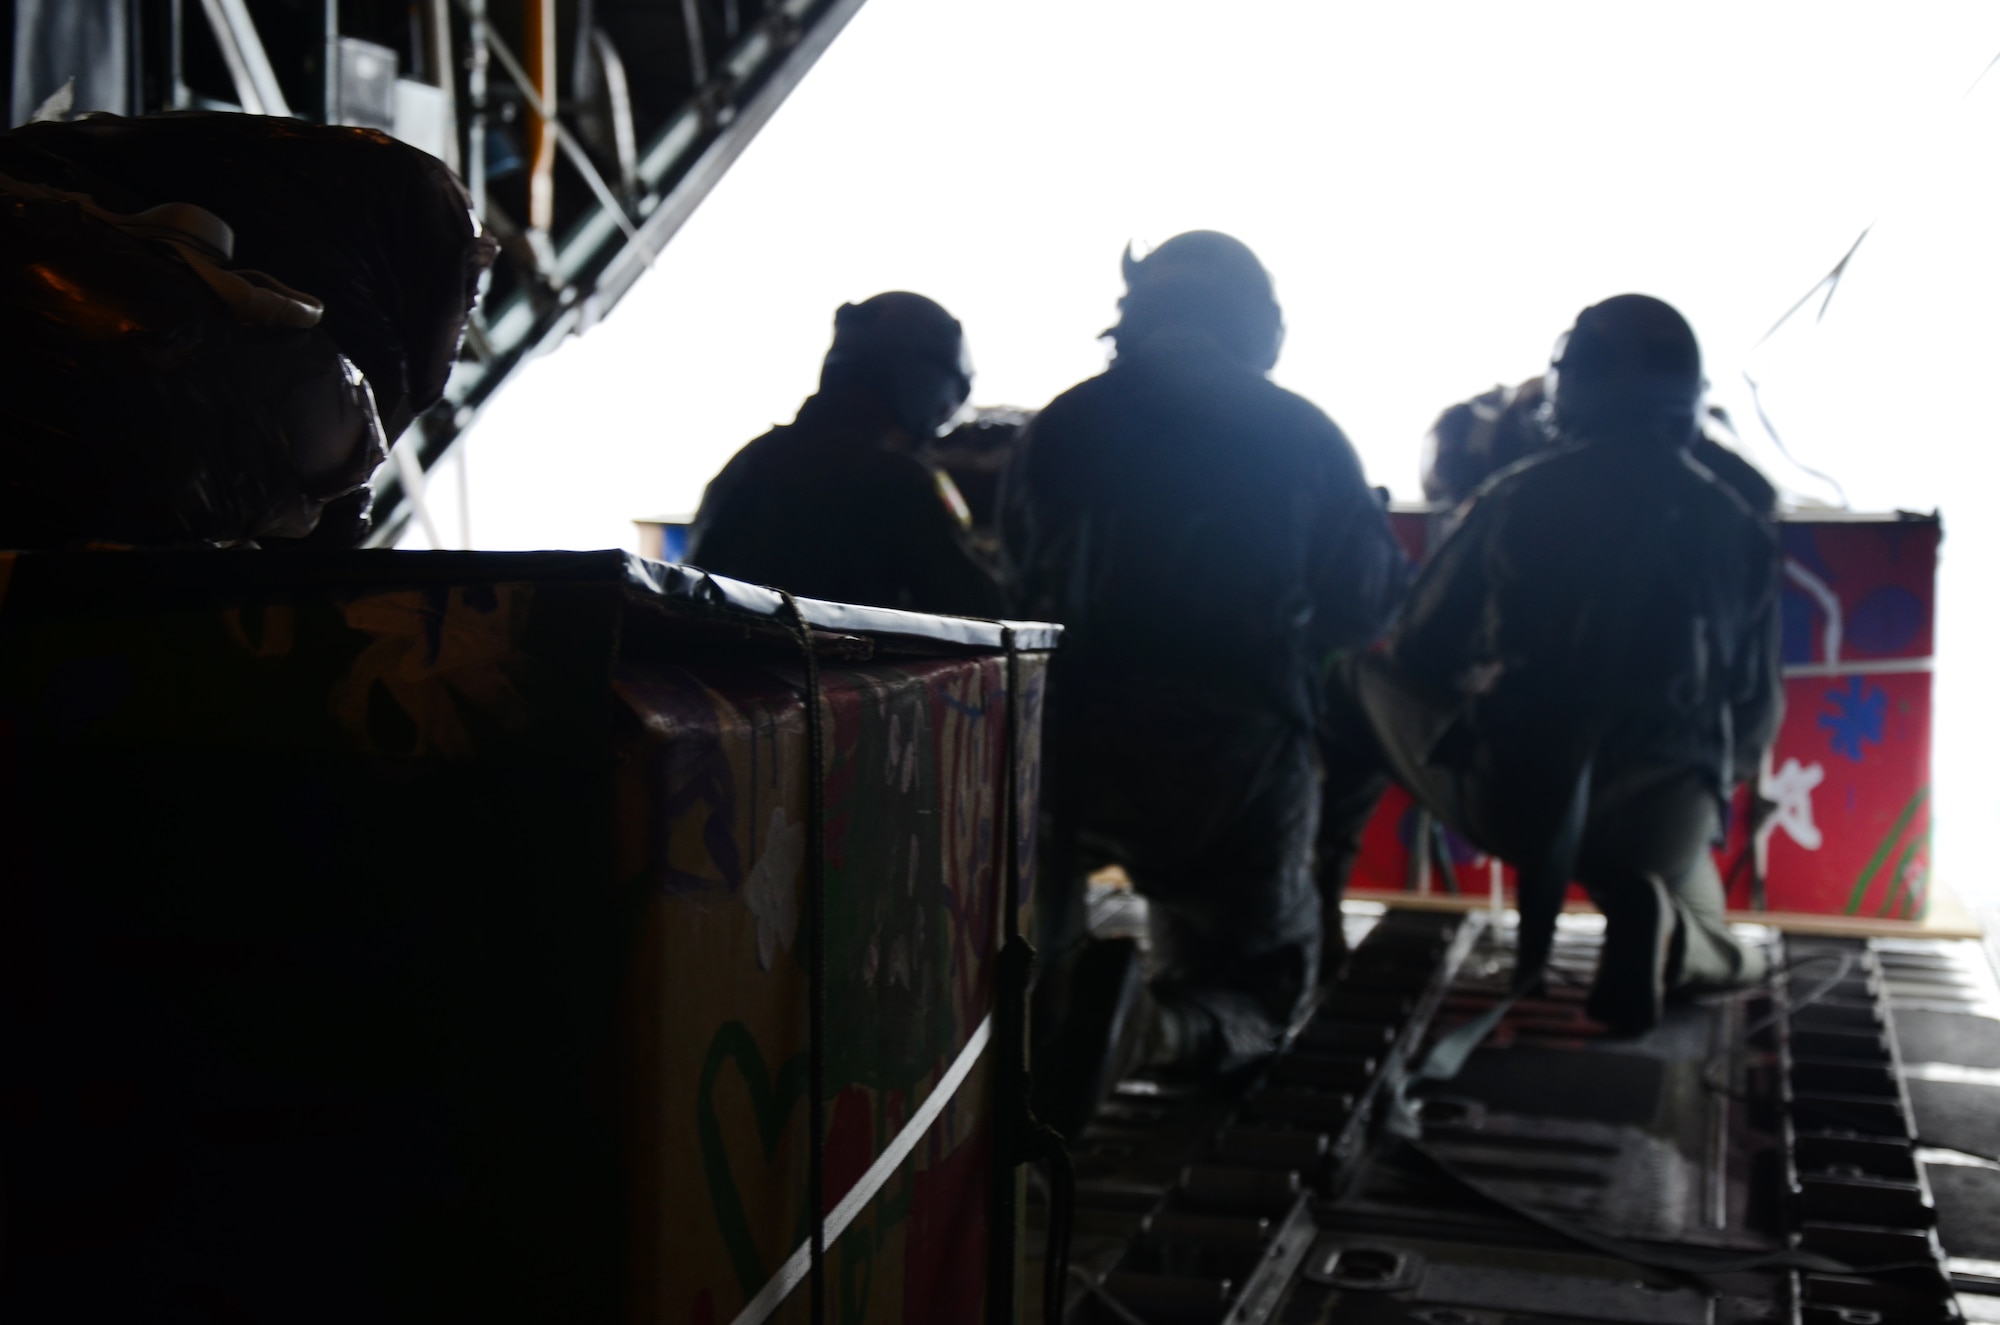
<point x="1740" y="1127"/>
<point x="1968" y="1203"/>
<point x="1949" y="1037"/>
<point x="1945" y="1002"/>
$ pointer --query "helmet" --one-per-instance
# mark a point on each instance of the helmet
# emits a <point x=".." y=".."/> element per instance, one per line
<point x="1628" y="370"/>
<point x="908" y="350"/>
<point x="1208" y="281"/>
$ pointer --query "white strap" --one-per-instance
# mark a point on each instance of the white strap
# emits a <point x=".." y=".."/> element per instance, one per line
<point x="793" y="1272"/>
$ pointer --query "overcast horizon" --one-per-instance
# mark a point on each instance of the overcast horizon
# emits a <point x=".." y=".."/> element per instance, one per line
<point x="1437" y="189"/>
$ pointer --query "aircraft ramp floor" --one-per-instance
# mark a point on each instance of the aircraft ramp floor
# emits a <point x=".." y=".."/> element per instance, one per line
<point x="1812" y="1152"/>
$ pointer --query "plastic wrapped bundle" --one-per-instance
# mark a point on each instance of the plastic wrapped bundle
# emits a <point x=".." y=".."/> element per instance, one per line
<point x="381" y="233"/>
<point x="154" y="395"/>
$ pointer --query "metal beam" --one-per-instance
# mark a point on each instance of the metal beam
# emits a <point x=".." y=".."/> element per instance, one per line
<point x="243" y="51"/>
<point x="665" y="220"/>
<point x="538" y="82"/>
<point x="436" y="28"/>
<point x="329" y="62"/>
<point x="543" y="110"/>
<point x="596" y="262"/>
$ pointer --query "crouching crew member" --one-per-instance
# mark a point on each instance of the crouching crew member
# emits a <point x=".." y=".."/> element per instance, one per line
<point x="837" y="504"/>
<point x="1588" y="666"/>
<point x="1208" y="541"/>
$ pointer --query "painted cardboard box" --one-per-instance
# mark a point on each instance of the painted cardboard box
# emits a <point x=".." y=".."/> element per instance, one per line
<point x="416" y="937"/>
<point x="1849" y="774"/>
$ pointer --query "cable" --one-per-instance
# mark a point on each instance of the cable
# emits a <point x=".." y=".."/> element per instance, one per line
<point x="1829" y="283"/>
<point x="1770" y="428"/>
<point x="1763" y="985"/>
<point x="1982" y="77"/>
<point x="1573" y="979"/>
<point x="1767" y="986"/>
<point x="1118" y="1309"/>
<point x="1058" y="1189"/>
<point x="1819" y="991"/>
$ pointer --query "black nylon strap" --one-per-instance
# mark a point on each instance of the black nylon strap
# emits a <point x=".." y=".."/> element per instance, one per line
<point x="1448" y="1056"/>
<point x="1032" y="1140"/>
<point x="815" y="960"/>
<point x="1796" y="1258"/>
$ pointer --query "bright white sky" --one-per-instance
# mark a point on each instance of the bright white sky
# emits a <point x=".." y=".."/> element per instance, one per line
<point x="1437" y="189"/>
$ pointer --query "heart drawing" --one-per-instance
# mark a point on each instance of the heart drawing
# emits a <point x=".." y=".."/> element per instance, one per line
<point x="771" y="1104"/>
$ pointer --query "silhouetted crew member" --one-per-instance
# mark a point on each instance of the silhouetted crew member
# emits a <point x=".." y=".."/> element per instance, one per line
<point x="1208" y="541"/>
<point x="1470" y="443"/>
<point x="836" y="504"/>
<point x="1477" y="438"/>
<point x="1589" y="664"/>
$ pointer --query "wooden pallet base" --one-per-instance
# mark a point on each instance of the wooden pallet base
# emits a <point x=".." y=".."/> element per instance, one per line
<point x="1948" y="917"/>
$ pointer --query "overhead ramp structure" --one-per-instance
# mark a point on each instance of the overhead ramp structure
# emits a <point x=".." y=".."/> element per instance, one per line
<point x="587" y="131"/>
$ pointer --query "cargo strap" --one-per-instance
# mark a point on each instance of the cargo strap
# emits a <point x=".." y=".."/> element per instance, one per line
<point x="807" y="1263"/>
<point x="1023" y="1138"/>
<point x="1539" y="899"/>
<point x="1448" y="1056"/>
<point x="815" y="909"/>
<point x="799" y="1264"/>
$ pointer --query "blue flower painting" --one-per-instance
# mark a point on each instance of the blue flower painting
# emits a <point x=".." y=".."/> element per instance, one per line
<point x="1856" y="720"/>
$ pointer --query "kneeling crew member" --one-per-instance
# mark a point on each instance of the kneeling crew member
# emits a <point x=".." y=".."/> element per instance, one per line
<point x="1207" y="540"/>
<point x="1589" y="665"/>
<point x="837" y="504"/>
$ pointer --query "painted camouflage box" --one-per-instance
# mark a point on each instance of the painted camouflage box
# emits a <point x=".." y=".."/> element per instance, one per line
<point x="416" y="937"/>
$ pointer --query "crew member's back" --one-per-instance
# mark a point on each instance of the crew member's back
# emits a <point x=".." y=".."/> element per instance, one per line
<point x="1587" y="668"/>
<point x="1621" y="603"/>
<point x="1207" y="539"/>
<point x="1187" y="519"/>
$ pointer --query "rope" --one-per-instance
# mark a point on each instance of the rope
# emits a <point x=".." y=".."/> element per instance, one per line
<point x="815" y="959"/>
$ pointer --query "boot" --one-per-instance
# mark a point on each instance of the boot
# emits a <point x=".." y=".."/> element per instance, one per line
<point x="1634" y="969"/>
